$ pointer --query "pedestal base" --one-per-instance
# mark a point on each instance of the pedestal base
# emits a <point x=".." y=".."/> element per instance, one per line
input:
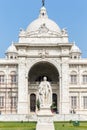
<point x="45" y="126"/>
<point x="45" y="120"/>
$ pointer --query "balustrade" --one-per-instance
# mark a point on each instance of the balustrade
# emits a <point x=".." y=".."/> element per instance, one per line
<point x="35" y="85"/>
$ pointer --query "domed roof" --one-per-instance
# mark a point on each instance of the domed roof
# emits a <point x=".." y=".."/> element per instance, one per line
<point x="11" y="49"/>
<point x="43" y="23"/>
<point x="75" y="49"/>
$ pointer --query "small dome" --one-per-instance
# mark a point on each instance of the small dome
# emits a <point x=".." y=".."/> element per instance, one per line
<point x="11" y="49"/>
<point x="75" y="49"/>
<point x="43" y="22"/>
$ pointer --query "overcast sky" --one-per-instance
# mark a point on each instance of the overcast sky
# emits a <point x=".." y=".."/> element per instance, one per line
<point x="16" y="14"/>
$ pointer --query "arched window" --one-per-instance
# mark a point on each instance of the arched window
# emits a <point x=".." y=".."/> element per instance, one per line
<point x="85" y="102"/>
<point x="84" y="77"/>
<point x="13" y="77"/>
<point x="75" y="57"/>
<point x="2" y="101"/>
<point x="2" y="77"/>
<point x="13" y="101"/>
<point x="73" y="77"/>
<point x="11" y="57"/>
<point x="73" y="102"/>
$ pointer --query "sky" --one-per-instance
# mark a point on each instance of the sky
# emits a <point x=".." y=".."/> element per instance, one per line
<point x="69" y="14"/>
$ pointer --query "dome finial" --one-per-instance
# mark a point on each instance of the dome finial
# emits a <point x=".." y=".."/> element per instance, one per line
<point x="43" y="2"/>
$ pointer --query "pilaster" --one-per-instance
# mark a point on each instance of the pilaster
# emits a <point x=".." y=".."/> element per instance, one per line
<point x="22" y="87"/>
<point x="64" y="88"/>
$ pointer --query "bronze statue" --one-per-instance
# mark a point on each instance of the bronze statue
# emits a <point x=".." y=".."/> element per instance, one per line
<point x="43" y="2"/>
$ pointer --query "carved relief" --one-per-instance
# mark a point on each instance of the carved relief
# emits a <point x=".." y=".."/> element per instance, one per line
<point x="43" y="53"/>
<point x="43" y="29"/>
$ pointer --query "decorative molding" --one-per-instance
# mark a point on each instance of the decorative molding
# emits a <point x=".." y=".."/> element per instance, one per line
<point x="43" y="53"/>
<point x="43" y="29"/>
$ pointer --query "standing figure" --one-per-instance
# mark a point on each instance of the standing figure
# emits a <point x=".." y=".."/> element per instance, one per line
<point x="45" y="93"/>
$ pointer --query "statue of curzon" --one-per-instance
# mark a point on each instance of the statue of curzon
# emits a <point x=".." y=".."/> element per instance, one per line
<point x="45" y="93"/>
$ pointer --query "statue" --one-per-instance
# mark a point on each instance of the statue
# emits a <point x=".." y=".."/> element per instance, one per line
<point x="45" y="93"/>
<point x="43" y="2"/>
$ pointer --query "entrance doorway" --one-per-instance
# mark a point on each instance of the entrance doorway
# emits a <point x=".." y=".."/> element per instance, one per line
<point x="35" y="76"/>
<point x="32" y="103"/>
<point x="54" y="98"/>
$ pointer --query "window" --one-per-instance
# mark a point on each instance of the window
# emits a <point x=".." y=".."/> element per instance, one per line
<point x="1" y="101"/>
<point x="75" y="57"/>
<point x="73" y="102"/>
<point x="85" y="102"/>
<point x="73" y="79"/>
<point x="2" y="79"/>
<point x="84" y="79"/>
<point x="13" y="101"/>
<point x="11" y="57"/>
<point x="32" y="102"/>
<point x="13" y="79"/>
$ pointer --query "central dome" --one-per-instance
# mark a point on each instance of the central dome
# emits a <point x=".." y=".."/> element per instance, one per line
<point x="43" y="24"/>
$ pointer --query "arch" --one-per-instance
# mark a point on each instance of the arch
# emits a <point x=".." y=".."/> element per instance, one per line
<point x="84" y="73"/>
<point x="32" y="102"/>
<point x="36" y="61"/>
<point x="36" y="72"/>
<point x="73" y="73"/>
<point x="13" y="73"/>
<point x="2" y="73"/>
<point x="41" y="69"/>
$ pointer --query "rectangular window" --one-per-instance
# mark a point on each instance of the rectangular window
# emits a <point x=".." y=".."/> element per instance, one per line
<point x="85" y="102"/>
<point x="2" y="79"/>
<point x="73" y="79"/>
<point x="1" y="101"/>
<point x="13" y="102"/>
<point x="73" y="102"/>
<point x="84" y="79"/>
<point x="13" y="79"/>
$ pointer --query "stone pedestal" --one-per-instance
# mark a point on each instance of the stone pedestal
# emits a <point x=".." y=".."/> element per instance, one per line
<point x="45" y="119"/>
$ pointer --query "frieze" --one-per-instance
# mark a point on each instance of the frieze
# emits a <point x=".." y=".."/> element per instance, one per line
<point x="43" y="53"/>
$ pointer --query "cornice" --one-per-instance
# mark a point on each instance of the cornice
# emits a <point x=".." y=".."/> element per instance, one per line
<point x="78" y="61"/>
<point x="8" y="62"/>
<point x="43" y="45"/>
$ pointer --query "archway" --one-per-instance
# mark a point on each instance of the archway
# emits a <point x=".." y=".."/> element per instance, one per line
<point x="41" y="69"/>
<point x="54" y="98"/>
<point x="36" y="74"/>
<point x="32" y="102"/>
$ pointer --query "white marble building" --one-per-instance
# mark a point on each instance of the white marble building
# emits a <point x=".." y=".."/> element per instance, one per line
<point x="43" y="49"/>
